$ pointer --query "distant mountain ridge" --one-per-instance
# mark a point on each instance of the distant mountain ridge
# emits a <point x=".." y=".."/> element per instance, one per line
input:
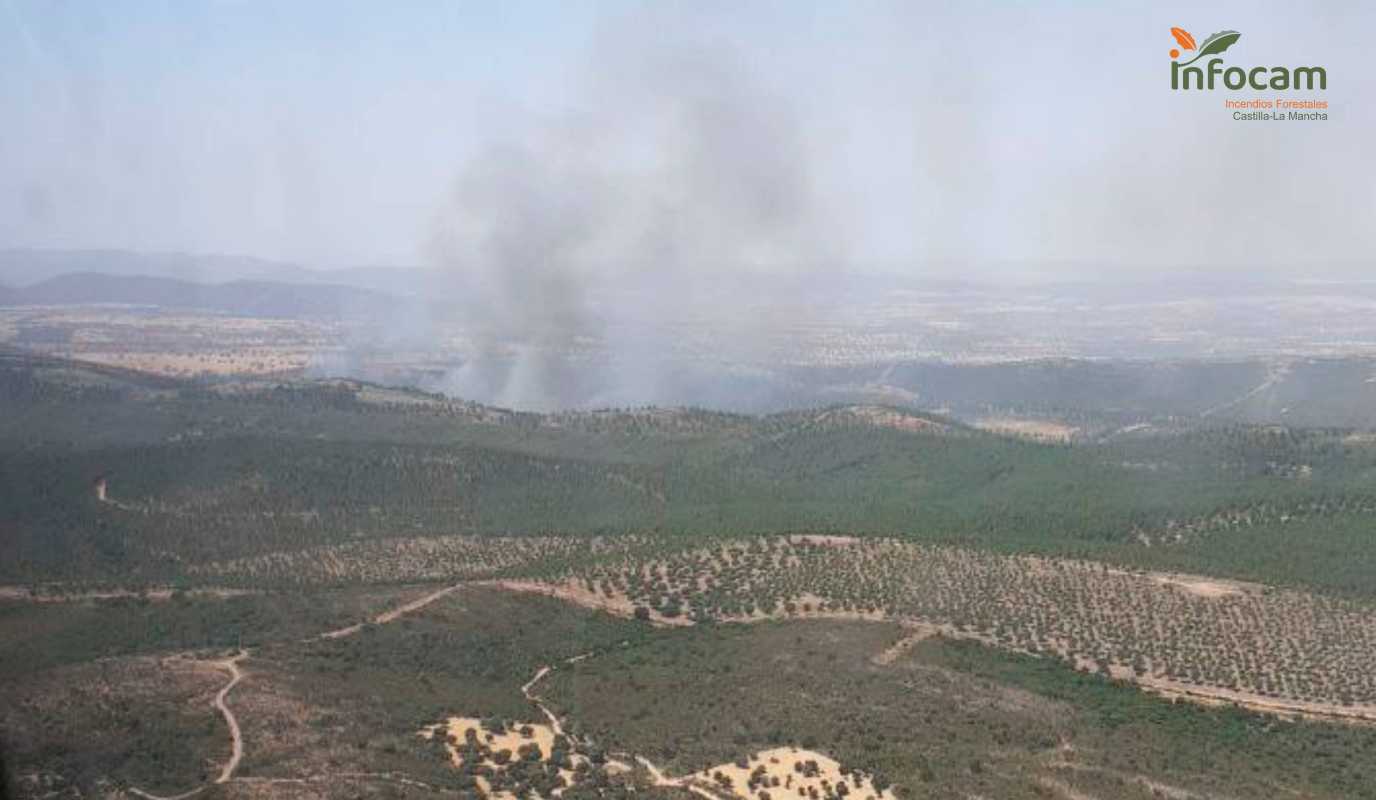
<point x="24" y="267"/>
<point x="243" y="297"/>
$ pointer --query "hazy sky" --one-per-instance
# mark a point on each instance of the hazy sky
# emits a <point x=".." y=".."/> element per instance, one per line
<point x="928" y="139"/>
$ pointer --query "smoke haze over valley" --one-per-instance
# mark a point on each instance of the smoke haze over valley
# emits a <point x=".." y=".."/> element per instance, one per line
<point x="651" y="204"/>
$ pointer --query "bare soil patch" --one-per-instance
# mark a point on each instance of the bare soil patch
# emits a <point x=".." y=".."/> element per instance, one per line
<point x="788" y="772"/>
<point x="1029" y="428"/>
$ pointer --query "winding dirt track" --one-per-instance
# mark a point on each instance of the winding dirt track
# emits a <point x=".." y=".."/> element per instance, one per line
<point x="1274" y="375"/>
<point x="656" y="774"/>
<point x="660" y="779"/>
<point x="554" y="723"/>
<point x="236" y="739"/>
<point x="231" y="666"/>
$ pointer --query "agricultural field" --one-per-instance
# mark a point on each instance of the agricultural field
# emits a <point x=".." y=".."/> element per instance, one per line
<point x="169" y="342"/>
<point x="1180" y="635"/>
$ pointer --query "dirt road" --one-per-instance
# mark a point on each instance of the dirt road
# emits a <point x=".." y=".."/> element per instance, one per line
<point x="236" y="739"/>
<point x="394" y="614"/>
<point x="231" y="666"/>
<point x="656" y="774"/>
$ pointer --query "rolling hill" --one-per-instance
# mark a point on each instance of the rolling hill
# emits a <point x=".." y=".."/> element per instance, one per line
<point x="244" y="298"/>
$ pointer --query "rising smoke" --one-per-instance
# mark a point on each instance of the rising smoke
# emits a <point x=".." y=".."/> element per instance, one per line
<point x="568" y="247"/>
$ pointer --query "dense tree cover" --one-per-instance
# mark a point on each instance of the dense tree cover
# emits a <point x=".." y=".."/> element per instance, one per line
<point x="41" y="636"/>
<point x="202" y="472"/>
<point x="475" y="649"/>
<point x="84" y="730"/>
<point x="90" y="702"/>
<point x="678" y="512"/>
<point x="364" y="698"/>
<point x="1338" y="760"/>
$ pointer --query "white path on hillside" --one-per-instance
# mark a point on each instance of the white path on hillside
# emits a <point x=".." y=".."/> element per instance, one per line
<point x="394" y="614"/>
<point x="235" y="737"/>
<point x="236" y="740"/>
<point x="1275" y="373"/>
<point x="231" y="666"/>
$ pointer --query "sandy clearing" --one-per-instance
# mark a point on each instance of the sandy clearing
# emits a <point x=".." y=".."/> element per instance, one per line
<point x="882" y="417"/>
<point x="520" y="734"/>
<point x="1197" y="585"/>
<point x="511" y="739"/>
<point x="456" y="731"/>
<point x="575" y="592"/>
<point x="790" y="771"/>
<point x="1037" y="429"/>
<point x="1204" y="587"/>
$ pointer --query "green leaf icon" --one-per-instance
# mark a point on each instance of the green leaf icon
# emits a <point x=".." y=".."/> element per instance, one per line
<point x="1215" y="44"/>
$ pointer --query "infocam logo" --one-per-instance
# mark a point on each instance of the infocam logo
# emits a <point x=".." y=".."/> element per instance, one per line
<point x="1184" y="76"/>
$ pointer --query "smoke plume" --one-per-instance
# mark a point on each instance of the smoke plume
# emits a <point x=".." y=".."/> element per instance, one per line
<point x="569" y="246"/>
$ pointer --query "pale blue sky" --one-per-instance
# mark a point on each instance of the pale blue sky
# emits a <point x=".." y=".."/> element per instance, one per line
<point x="935" y="136"/>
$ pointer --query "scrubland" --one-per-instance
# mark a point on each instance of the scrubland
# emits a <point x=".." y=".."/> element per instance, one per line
<point x="883" y="599"/>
